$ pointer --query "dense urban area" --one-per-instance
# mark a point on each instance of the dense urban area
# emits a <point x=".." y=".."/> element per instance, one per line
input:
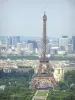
<point x="16" y="45"/>
<point x="18" y="63"/>
<point x="37" y="68"/>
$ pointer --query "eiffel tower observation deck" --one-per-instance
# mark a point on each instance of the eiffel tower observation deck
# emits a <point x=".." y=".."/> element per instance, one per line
<point x="44" y="76"/>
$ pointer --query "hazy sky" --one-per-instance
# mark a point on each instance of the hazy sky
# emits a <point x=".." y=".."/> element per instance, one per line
<point x="24" y="17"/>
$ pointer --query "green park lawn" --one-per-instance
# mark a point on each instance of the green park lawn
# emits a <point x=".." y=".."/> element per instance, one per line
<point x="59" y="94"/>
<point x="42" y="93"/>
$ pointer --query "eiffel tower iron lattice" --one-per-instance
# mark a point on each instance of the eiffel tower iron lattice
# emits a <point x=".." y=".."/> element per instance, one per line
<point x="44" y="76"/>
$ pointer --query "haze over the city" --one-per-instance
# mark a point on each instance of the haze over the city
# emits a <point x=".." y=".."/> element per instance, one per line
<point x="24" y="17"/>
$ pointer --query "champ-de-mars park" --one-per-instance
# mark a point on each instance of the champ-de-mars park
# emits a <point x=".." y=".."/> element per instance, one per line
<point x="41" y="84"/>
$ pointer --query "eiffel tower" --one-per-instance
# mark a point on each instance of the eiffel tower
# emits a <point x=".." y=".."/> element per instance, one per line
<point x="44" y="76"/>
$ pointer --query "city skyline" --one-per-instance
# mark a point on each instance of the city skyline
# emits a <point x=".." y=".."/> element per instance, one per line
<point x="37" y="49"/>
<point x="24" y="17"/>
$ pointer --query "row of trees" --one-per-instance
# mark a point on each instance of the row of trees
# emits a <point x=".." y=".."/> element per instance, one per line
<point x="33" y="57"/>
<point x="65" y="89"/>
<point x="69" y="97"/>
<point x="17" y="85"/>
<point x="69" y="81"/>
<point x="14" y="74"/>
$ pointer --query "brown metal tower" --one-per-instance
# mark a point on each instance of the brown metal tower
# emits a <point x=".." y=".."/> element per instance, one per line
<point x="43" y="57"/>
<point x="43" y="77"/>
<point x="44" y="35"/>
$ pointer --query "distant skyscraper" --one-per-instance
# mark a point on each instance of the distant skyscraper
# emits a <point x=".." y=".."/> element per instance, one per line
<point x="18" y="39"/>
<point x="23" y="45"/>
<point x="15" y="40"/>
<point x="18" y="47"/>
<point x="10" y="40"/>
<point x="63" y="42"/>
<point x="69" y="48"/>
<point x="73" y="43"/>
<point x="48" y="48"/>
<point x="34" y="43"/>
<point x="30" y="47"/>
<point x="3" y="39"/>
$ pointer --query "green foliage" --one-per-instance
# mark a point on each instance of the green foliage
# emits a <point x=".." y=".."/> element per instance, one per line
<point x="70" y="97"/>
<point x="69" y="77"/>
<point x="24" y="67"/>
<point x="42" y="93"/>
<point x="17" y="86"/>
<point x="25" y="94"/>
<point x="62" y="86"/>
<point x="60" y="95"/>
<point x="62" y="58"/>
<point x="28" y="57"/>
<point x="33" y="57"/>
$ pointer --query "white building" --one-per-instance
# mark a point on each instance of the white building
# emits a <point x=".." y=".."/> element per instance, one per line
<point x="69" y="48"/>
<point x="39" y="48"/>
<point x="30" y="47"/>
<point x="23" y="45"/>
<point x="18" y="47"/>
<point x="64" y="42"/>
<point x="2" y="87"/>
<point x="36" y="50"/>
<point x="60" y="52"/>
<point x="48" y="48"/>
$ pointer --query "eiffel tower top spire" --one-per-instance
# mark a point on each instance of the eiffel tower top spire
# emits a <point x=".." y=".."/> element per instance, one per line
<point x="44" y="35"/>
<point x="44" y="16"/>
<point x="43" y="57"/>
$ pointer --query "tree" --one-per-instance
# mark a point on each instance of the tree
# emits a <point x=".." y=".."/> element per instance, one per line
<point x="53" y="98"/>
<point x="62" y="85"/>
<point x="70" y="97"/>
<point x="69" y="77"/>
